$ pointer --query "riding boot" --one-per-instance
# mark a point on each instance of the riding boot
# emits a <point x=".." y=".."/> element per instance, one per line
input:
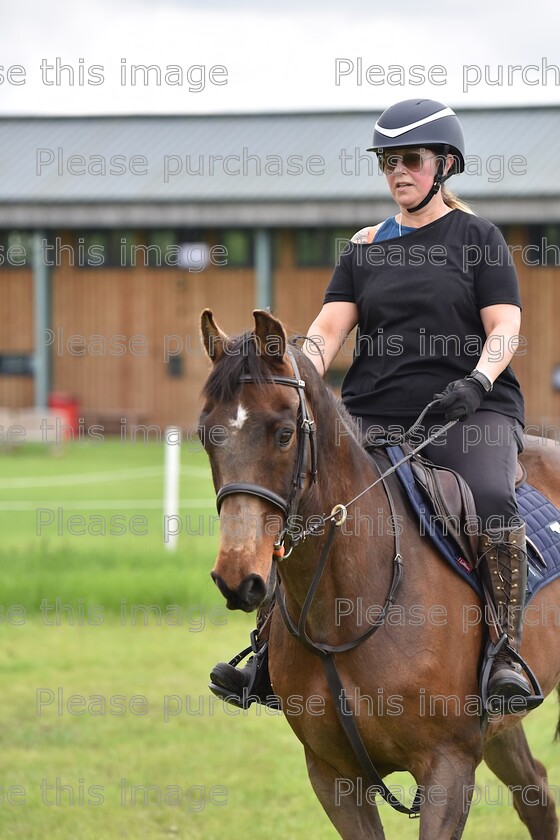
<point x="251" y="684"/>
<point x="503" y="564"/>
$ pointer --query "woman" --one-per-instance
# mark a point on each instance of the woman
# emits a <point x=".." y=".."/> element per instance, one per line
<point x="436" y="300"/>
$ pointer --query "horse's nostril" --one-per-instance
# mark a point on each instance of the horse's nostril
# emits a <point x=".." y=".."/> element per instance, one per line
<point x="251" y="587"/>
<point x="247" y="596"/>
<point x="223" y="587"/>
<point x="252" y="591"/>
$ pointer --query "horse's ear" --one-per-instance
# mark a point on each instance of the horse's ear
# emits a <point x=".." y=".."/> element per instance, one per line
<point x="212" y="336"/>
<point x="270" y="336"/>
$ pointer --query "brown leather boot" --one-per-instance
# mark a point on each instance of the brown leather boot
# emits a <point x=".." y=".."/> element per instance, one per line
<point x="503" y="564"/>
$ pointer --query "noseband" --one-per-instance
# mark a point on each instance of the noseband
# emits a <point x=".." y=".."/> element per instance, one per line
<point x="306" y="441"/>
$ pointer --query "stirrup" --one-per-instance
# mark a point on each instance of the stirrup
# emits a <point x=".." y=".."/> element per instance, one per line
<point x="493" y="704"/>
<point x="248" y="695"/>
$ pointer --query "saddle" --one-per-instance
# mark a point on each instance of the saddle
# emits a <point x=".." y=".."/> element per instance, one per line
<point x="452" y="501"/>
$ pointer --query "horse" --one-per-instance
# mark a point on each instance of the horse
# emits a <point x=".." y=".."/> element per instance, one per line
<point x="411" y="684"/>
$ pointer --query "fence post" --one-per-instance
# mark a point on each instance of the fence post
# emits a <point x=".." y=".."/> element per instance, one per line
<point x="172" y="463"/>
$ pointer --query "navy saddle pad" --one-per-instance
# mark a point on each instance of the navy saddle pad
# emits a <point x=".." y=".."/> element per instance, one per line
<point x="542" y="527"/>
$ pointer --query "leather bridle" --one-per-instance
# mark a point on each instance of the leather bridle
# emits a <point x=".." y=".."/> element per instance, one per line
<point x="306" y="445"/>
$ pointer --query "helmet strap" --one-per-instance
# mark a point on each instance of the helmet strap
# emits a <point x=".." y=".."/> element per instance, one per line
<point x="438" y="181"/>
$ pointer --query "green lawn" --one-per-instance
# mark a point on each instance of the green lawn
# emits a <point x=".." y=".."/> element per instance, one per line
<point x="69" y="771"/>
<point x="214" y="770"/>
<point x="53" y="510"/>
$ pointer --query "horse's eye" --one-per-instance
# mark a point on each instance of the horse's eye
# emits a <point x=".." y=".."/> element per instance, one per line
<point x="284" y="437"/>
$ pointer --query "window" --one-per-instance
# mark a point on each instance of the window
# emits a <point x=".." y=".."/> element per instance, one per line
<point x="16" y="248"/>
<point x="311" y="247"/>
<point x="161" y="248"/>
<point x="321" y="246"/>
<point x="122" y="249"/>
<point x="16" y="364"/>
<point x="92" y="248"/>
<point x="103" y="249"/>
<point x="239" y="246"/>
<point x="154" y="249"/>
<point x="341" y="238"/>
<point x="544" y="246"/>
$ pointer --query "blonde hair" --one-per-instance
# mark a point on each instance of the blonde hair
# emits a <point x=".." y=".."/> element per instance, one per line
<point x="455" y="203"/>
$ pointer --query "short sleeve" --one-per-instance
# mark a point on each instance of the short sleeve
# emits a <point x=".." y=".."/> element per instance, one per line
<point x="495" y="275"/>
<point x="341" y="285"/>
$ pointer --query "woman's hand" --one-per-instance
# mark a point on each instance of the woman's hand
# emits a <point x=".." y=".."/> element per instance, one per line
<point x="460" y="399"/>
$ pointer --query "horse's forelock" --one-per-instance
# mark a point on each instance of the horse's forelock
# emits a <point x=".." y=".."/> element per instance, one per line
<point x="239" y="357"/>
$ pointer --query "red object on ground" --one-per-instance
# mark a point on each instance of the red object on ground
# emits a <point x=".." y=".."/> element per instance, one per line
<point x="68" y="409"/>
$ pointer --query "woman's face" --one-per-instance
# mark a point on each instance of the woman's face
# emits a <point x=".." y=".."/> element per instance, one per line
<point x="410" y="174"/>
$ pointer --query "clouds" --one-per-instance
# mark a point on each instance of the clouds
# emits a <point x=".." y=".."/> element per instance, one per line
<point x="277" y="57"/>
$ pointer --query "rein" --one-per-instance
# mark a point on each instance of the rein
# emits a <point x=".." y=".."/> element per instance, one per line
<point x="340" y="510"/>
<point x="299" y="630"/>
<point x="307" y="449"/>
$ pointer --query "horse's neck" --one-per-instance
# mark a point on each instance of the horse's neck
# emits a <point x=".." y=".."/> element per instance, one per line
<point x="344" y="468"/>
<point x="359" y="561"/>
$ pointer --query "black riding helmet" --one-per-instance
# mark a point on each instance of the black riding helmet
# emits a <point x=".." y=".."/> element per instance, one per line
<point x="422" y="123"/>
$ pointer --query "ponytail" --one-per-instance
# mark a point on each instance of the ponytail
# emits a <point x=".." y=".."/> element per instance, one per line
<point x="455" y="203"/>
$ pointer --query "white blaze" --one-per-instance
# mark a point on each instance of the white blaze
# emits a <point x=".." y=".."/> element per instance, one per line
<point x="240" y="417"/>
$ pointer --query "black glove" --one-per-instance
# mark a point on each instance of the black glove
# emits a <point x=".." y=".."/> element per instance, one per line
<point x="460" y="399"/>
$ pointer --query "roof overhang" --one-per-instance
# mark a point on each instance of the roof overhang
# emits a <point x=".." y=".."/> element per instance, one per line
<point x="288" y="214"/>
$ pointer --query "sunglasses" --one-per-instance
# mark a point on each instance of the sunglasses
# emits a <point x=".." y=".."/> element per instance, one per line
<point x="413" y="161"/>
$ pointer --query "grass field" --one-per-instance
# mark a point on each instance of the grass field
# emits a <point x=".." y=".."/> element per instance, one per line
<point x="79" y="753"/>
<point x="60" y="517"/>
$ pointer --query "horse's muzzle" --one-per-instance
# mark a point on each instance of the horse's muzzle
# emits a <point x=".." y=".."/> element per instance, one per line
<point x="250" y="593"/>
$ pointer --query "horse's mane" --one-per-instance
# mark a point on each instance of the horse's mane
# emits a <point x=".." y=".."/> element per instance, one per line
<point x="241" y="357"/>
<point x="349" y="420"/>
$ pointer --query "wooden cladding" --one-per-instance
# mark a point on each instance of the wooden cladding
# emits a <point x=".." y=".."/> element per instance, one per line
<point x="16" y="333"/>
<point x="126" y="341"/>
<point x="140" y="336"/>
<point x="535" y="363"/>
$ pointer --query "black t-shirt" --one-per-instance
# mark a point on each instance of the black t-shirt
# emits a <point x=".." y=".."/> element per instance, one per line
<point x="419" y="298"/>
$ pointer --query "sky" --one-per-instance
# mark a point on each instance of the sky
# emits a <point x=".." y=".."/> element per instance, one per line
<point x="262" y="56"/>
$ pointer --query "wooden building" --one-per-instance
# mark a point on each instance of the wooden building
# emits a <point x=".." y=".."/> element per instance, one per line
<point x="105" y="224"/>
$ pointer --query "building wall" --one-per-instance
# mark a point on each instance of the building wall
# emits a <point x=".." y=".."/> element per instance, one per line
<point x="162" y="308"/>
<point x="534" y="364"/>
<point x="16" y="332"/>
<point x="163" y="305"/>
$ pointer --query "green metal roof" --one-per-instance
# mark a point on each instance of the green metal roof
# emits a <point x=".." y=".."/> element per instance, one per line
<point x="511" y="152"/>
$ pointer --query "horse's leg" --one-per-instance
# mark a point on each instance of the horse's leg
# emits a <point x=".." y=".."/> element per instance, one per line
<point x="340" y="797"/>
<point x="508" y="756"/>
<point x="448" y="783"/>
